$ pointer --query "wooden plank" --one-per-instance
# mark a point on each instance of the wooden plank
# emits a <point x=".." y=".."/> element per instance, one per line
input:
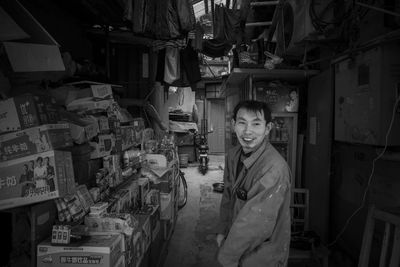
<point x="385" y="243"/>
<point x="275" y="19"/>
<point x="367" y="239"/>
<point x="387" y="217"/>
<point x="257" y="24"/>
<point x="394" y="260"/>
<point x="269" y="3"/>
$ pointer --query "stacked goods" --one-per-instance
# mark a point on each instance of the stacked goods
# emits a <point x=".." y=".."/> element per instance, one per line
<point x="34" y="169"/>
<point x="27" y="111"/>
<point x="118" y="200"/>
<point x="34" y="140"/>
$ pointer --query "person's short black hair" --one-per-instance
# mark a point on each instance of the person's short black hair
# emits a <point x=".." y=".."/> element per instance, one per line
<point x="39" y="158"/>
<point x="254" y="106"/>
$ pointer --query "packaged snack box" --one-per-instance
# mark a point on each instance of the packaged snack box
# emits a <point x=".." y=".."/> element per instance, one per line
<point x="36" y="178"/>
<point x="34" y="140"/>
<point x="99" y="250"/>
<point x="27" y="111"/>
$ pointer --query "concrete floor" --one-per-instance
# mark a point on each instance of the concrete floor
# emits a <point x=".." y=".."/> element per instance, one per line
<point x="193" y="241"/>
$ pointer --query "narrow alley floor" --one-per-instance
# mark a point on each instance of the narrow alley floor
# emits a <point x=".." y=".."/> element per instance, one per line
<point x="193" y="241"/>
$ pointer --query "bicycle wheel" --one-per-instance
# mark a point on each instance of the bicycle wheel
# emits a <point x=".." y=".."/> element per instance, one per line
<point x="182" y="190"/>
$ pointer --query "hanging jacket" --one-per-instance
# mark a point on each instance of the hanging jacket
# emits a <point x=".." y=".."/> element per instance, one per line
<point x="257" y="230"/>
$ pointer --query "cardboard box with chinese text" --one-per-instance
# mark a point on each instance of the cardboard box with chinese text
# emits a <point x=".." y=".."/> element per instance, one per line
<point x="36" y="178"/>
<point x="34" y="140"/>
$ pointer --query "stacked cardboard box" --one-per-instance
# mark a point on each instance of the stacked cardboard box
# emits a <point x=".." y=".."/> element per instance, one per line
<point x="33" y="167"/>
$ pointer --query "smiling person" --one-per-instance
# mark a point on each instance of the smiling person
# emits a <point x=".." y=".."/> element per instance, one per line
<point x="254" y="223"/>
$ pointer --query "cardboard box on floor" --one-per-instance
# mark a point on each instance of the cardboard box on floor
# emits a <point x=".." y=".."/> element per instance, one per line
<point x="101" y="251"/>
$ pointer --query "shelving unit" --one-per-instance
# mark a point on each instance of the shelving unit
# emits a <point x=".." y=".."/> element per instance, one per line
<point x="239" y="75"/>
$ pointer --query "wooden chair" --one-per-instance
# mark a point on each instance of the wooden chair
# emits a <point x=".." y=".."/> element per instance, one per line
<point x="299" y="209"/>
<point x="391" y="238"/>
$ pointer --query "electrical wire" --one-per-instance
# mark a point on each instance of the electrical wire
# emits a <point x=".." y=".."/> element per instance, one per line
<point x="370" y="176"/>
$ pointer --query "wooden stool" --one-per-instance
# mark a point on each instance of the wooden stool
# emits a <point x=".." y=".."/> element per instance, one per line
<point x="391" y="222"/>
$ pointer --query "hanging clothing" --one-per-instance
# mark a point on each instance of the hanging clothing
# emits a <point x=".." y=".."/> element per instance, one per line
<point x="257" y="228"/>
<point x="172" y="65"/>
<point x="214" y="48"/>
<point x="190" y="64"/>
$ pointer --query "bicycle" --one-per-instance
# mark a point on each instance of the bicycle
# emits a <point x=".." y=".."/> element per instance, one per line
<point x="182" y="194"/>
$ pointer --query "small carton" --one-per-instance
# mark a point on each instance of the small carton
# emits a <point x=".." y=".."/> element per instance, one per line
<point x="145" y="227"/>
<point x="103" y="146"/>
<point x="34" y="140"/>
<point x="90" y="90"/>
<point x="97" y="250"/>
<point x="112" y="222"/>
<point x="128" y="137"/>
<point x="35" y="178"/>
<point x="88" y="105"/>
<point x="166" y="206"/>
<point x="84" y="196"/>
<point x="27" y="111"/>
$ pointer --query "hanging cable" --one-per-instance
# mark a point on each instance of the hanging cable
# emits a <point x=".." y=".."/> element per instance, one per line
<point x="370" y="176"/>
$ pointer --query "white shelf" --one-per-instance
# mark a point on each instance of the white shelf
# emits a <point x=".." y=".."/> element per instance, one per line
<point x="238" y="75"/>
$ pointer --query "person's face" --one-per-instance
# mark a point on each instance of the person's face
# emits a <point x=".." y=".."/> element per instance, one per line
<point x="251" y="129"/>
<point x="40" y="163"/>
<point x="293" y="95"/>
<point x="25" y="168"/>
<point x="46" y="161"/>
<point x="32" y="165"/>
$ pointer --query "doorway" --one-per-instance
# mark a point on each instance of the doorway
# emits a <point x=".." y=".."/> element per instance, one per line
<point x="216" y="118"/>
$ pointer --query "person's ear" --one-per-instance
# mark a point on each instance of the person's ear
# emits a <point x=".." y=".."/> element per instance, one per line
<point x="233" y="124"/>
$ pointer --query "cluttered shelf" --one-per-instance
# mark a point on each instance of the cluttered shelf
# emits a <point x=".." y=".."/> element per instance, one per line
<point x="238" y="75"/>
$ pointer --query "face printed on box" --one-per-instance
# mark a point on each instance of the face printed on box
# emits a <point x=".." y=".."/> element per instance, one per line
<point x="251" y="129"/>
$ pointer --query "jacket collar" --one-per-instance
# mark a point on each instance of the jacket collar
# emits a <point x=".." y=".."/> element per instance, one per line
<point x="248" y="162"/>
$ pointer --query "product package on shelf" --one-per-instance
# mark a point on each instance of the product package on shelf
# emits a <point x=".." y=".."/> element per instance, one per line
<point x="112" y="163"/>
<point x="154" y="212"/>
<point x="112" y="222"/>
<point x="34" y="140"/>
<point x="84" y="196"/>
<point x="27" y="111"/>
<point x="89" y="106"/>
<point x="82" y="129"/>
<point x="133" y="187"/>
<point x="104" y="124"/>
<point x="144" y="188"/>
<point x="138" y="126"/>
<point x="36" y="178"/>
<point x="133" y="158"/>
<point x="137" y="249"/>
<point x="128" y="137"/>
<point x="120" y="201"/>
<point x="98" y="209"/>
<point x="153" y="197"/>
<point x="99" y="250"/>
<point x="103" y="146"/>
<point x="166" y="206"/>
<point x="89" y="90"/>
<point x="121" y="261"/>
<point x="145" y="227"/>
<point x="164" y="180"/>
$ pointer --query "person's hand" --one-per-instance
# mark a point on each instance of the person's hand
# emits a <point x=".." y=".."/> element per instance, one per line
<point x="220" y="238"/>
